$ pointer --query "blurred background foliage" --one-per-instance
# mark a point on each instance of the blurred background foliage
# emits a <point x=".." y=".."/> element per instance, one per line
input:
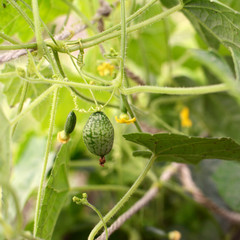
<point x="160" y="54"/>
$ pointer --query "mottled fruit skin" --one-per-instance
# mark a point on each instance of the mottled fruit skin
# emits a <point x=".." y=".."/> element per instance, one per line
<point x="98" y="134"/>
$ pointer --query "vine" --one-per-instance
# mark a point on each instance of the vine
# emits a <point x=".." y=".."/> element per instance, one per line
<point x="118" y="87"/>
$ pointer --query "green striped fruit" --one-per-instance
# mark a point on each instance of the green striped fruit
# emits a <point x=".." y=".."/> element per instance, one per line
<point x="98" y="135"/>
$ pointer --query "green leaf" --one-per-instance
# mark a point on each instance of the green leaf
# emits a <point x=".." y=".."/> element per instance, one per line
<point x="144" y="154"/>
<point x="232" y="3"/>
<point x="12" y="85"/>
<point x="12" y="23"/>
<point x="216" y="22"/>
<point x="236" y="60"/>
<point x="180" y="148"/>
<point x="147" y="41"/>
<point x="227" y="180"/>
<point x="26" y="174"/>
<point x="55" y="195"/>
<point x="40" y="111"/>
<point x="215" y="63"/>
<point x="169" y="4"/>
<point x="216" y="18"/>
<point x="219" y="67"/>
<point x="221" y="114"/>
<point x="209" y="38"/>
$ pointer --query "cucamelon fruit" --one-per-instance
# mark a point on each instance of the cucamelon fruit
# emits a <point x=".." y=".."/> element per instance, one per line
<point x="64" y="135"/>
<point x="98" y="135"/>
<point x="70" y="123"/>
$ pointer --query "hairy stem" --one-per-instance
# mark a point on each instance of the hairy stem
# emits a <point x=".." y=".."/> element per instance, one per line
<point x="37" y="25"/>
<point x="175" y="90"/>
<point x="123" y="41"/>
<point x="7" y="38"/>
<point x="100" y="216"/>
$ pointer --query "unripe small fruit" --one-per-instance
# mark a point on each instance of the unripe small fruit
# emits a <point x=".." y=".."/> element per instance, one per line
<point x="98" y="135"/>
<point x="70" y="123"/>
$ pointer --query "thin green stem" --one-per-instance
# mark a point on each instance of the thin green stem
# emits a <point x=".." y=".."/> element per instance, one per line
<point x="71" y="84"/>
<point x="7" y="38"/>
<point x="49" y="141"/>
<point x="83" y="97"/>
<point x="175" y="90"/>
<point x="34" y="104"/>
<point x="19" y="46"/>
<point x="125" y="198"/>
<point x="24" y="15"/>
<point x="155" y="18"/>
<point x="97" y="79"/>
<point x="57" y="60"/>
<point x="110" y="98"/>
<point x="80" y="73"/>
<point x="55" y="53"/>
<point x="123" y="41"/>
<point x="100" y="216"/>
<point x="38" y="29"/>
<point x="21" y="102"/>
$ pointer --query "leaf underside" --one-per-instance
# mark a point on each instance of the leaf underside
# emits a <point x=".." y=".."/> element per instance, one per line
<point x="181" y="148"/>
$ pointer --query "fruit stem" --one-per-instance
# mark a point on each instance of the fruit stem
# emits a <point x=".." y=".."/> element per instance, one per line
<point x="102" y="160"/>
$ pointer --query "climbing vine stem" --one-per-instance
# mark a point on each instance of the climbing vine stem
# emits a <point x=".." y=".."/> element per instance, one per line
<point x="123" y="41"/>
<point x="37" y="28"/>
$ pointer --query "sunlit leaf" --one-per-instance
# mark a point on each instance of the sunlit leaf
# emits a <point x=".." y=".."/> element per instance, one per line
<point x="55" y="195"/>
<point x="26" y="174"/>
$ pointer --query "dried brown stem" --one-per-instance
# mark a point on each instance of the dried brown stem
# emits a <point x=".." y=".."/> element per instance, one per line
<point x="187" y="181"/>
<point x="134" y="77"/>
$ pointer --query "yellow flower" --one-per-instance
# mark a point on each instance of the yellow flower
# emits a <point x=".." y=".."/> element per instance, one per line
<point x="174" y="235"/>
<point x="124" y="118"/>
<point x="62" y="137"/>
<point x="184" y="116"/>
<point x="105" y="69"/>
